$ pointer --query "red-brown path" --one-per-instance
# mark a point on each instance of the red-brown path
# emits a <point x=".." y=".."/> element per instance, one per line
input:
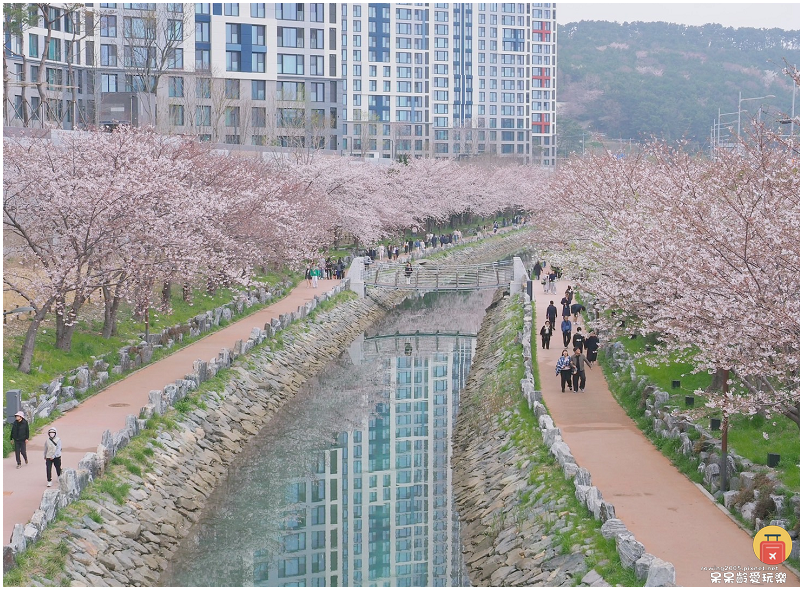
<point x="664" y="509"/>
<point x="81" y="428"/>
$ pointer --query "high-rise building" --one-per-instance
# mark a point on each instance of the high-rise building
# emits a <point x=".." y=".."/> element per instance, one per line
<point x="376" y="80"/>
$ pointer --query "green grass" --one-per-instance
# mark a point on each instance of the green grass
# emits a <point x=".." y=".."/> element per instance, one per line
<point x="117" y="490"/>
<point x="745" y="433"/>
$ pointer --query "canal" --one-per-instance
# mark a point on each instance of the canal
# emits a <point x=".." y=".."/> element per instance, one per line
<point x="350" y="484"/>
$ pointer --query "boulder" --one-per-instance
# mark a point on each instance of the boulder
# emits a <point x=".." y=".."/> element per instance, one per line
<point x="629" y="549"/>
<point x="661" y="573"/>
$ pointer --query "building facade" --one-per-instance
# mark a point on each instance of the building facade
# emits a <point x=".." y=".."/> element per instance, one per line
<point x="375" y="80"/>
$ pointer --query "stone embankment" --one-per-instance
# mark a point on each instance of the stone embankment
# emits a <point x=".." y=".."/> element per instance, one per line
<point x="520" y="526"/>
<point x="130" y="543"/>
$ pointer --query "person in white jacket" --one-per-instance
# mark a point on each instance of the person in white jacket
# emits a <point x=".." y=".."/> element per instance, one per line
<point x="52" y="455"/>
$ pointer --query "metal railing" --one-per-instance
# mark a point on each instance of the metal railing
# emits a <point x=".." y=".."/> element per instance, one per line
<point x="426" y="276"/>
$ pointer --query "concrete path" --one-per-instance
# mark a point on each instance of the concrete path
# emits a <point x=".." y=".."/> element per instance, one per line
<point x="81" y="428"/>
<point x="663" y="508"/>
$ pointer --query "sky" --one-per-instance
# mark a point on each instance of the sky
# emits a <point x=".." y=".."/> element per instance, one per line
<point x="782" y="15"/>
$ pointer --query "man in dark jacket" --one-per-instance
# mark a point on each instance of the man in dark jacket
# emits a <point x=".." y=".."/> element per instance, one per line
<point x="20" y="433"/>
<point x="576" y="309"/>
<point x="551" y="314"/>
<point x="578" y="340"/>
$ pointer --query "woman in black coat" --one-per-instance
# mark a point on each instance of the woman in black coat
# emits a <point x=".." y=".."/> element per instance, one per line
<point x="546" y="332"/>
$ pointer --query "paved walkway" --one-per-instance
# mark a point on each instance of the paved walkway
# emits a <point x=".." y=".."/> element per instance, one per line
<point x="81" y="428"/>
<point x="663" y="508"/>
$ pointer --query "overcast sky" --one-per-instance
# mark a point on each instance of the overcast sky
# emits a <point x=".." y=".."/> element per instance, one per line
<point x="729" y="14"/>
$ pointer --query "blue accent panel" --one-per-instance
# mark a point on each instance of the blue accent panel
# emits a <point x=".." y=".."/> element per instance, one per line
<point x="247" y="48"/>
<point x="202" y="45"/>
<point x="202" y="18"/>
<point x="380" y="51"/>
<point x="216" y="9"/>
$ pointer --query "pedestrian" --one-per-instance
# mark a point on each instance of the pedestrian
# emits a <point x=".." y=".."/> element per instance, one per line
<point x="546" y="332"/>
<point x="308" y="275"/>
<point x="551" y="314"/>
<point x="566" y="330"/>
<point x="537" y="269"/>
<point x="52" y="455"/>
<point x="381" y="250"/>
<point x="20" y="433"/>
<point x="578" y="361"/>
<point x="314" y="277"/>
<point x="576" y="309"/>
<point x="592" y="345"/>
<point x="408" y="272"/>
<point x="552" y="277"/>
<point x="328" y="268"/>
<point x="564" y="369"/>
<point x="566" y="312"/>
<point x="579" y="340"/>
<point x="569" y="294"/>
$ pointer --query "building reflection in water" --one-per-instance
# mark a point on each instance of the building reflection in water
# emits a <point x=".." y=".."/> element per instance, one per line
<point x="379" y="508"/>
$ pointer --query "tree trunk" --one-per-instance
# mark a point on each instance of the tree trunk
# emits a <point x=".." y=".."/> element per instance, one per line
<point x="26" y="355"/>
<point x="187" y="293"/>
<point x="166" y="294"/>
<point x="718" y="382"/>
<point x="723" y="467"/>
<point x="793" y="413"/>
<point x="211" y="287"/>
<point x="110" y="310"/>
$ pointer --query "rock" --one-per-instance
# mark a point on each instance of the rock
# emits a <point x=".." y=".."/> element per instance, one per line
<point x="642" y="565"/>
<point x="9" y="560"/>
<point x="50" y="504"/>
<point x="591" y="577"/>
<point x="747" y="511"/>
<point x="607" y="512"/>
<point x="728" y="498"/>
<point x="130" y="530"/>
<point x="18" y="542"/>
<point x="583" y="477"/>
<point x="629" y="549"/>
<point x="661" y="573"/>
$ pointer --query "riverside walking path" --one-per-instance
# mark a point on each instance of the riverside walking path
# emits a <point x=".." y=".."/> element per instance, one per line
<point x="666" y="511"/>
<point x="82" y="428"/>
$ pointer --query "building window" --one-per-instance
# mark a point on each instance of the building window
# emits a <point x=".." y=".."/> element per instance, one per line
<point x="259" y="35"/>
<point x="290" y="90"/>
<point x="258" y="62"/>
<point x="233" y="61"/>
<point x="202" y="59"/>
<point x="174" y="30"/>
<point x="289" y="11"/>
<point x="259" y="90"/>
<point x="233" y="33"/>
<point x="108" y="25"/>
<point x="317" y="92"/>
<point x="176" y="115"/>
<point x="231" y="9"/>
<point x="317" y="12"/>
<point x="139" y="28"/>
<point x="317" y="65"/>
<point x="259" y="117"/>
<point x="202" y="32"/>
<point x="175" y="59"/>
<point x="290" y="37"/>
<point x="54" y="50"/>
<point x="202" y="8"/>
<point x="108" y="55"/>
<point x="290" y="64"/>
<point x="232" y="116"/>
<point x="108" y="83"/>
<point x="174" y="7"/>
<point x="204" y="116"/>
<point x="234" y="139"/>
<point x="137" y="56"/>
<point x="317" y="39"/>
<point x="176" y="87"/>
<point x="232" y="89"/>
<point x="257" y="10"/>
<point x="202" y="88"/>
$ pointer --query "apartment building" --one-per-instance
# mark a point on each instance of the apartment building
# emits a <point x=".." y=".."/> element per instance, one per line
<point x="374" y="80"/>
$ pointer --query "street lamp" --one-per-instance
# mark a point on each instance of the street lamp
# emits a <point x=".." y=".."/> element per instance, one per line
<point x="739" y="119"/>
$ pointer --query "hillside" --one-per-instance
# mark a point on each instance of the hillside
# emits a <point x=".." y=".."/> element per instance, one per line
<point x="634" y="80"/>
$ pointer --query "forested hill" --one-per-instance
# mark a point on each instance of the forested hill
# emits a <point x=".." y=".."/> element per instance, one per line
<point x="634" y="80"/>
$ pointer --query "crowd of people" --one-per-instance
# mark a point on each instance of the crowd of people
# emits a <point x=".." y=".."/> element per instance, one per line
<point x="570" y="367"/>
<point x="326" y="268"/>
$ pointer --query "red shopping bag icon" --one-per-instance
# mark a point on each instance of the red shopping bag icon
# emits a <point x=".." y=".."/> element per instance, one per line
<point x="773" y="552"/>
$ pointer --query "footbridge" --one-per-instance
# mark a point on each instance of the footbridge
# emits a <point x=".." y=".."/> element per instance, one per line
<point x="416" y="342"/>
<point x="427" y="275"/>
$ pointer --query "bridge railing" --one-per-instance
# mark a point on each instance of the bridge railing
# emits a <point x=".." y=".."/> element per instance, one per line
<point x="430" y="277"/>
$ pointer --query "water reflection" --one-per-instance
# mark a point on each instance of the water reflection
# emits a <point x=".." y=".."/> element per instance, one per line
<point x="350" y="484"/>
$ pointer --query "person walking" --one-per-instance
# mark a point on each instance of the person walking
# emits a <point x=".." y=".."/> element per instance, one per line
<point x="52" y="455"/>
<point x="315" y="277"/>
<point x="551" y="314"/>
<point x="592" y="345"/>
<point x="537" y="269"/>
<point x="566" y="312"/>
<point x="566" y="330"/>
<point x="578" y="362"/>
<point x="569" y="294"/>
<point x="564" y="369"/>
<point x="552" y="277"/>
<point x="20" y="434"/>
<point x="308" y="275"/>
<point x="408" y="271"/>
<point x="546" y="332"/>
<point x="579" y="340"/>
